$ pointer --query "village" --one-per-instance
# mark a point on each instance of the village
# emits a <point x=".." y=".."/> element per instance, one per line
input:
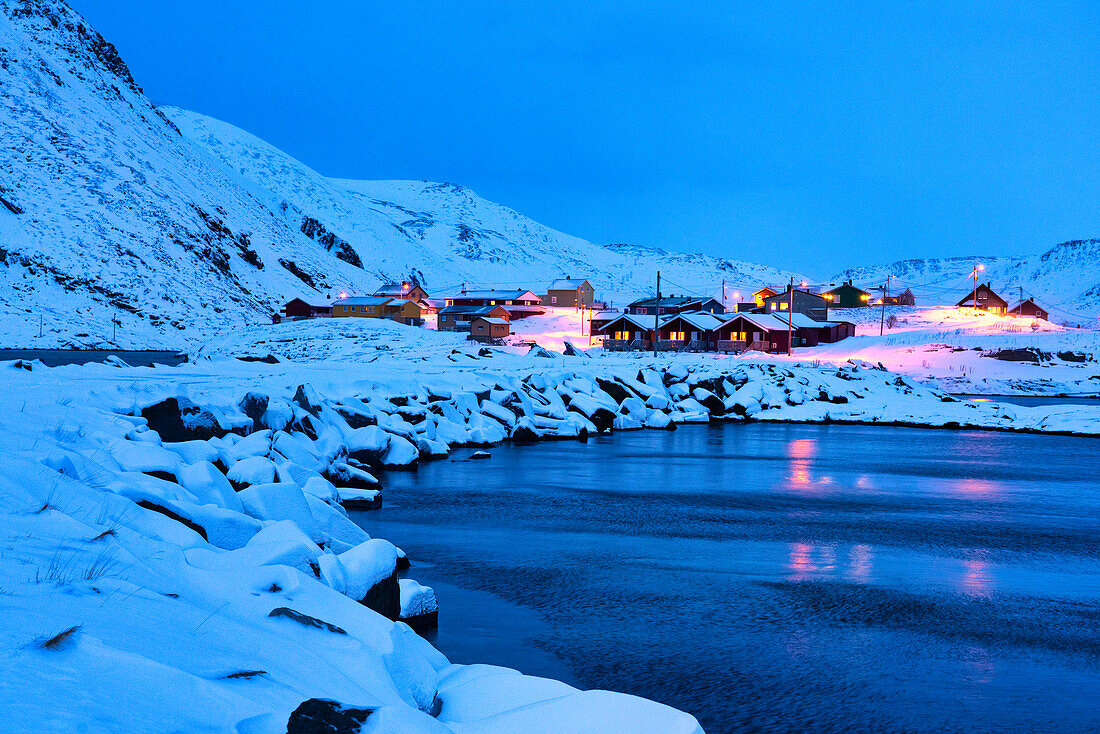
<point x="775" y="321"/>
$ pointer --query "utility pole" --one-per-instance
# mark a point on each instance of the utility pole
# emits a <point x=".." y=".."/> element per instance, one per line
<point x="790" y="319"/>
<point x="723" y="295"/>
<point x="885" y="294"/>
<point x="975" y="287"/>
<point x="657" y="313"/>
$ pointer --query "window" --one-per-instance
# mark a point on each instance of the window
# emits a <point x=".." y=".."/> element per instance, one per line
<point x="553" y="299"/>
<point x="783" y="306"/>
<point x="676" y="336"/>
<point x="480" y="327"/>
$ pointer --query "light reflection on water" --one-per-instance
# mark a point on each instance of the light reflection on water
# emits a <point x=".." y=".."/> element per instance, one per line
<point x="779" y="578"/>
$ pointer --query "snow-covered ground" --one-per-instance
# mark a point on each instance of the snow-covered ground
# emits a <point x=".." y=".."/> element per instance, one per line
<point x="211" y="580"/>
<point x="955" y="348"/>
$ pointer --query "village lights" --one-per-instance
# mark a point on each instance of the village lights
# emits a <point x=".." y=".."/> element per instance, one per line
<point x="343" y="294"/>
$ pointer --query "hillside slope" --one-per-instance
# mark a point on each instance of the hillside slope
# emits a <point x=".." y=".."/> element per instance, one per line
<point x="116" y="228"/>
<point x="445" y="235"/>
<point x="1065" y="278"/>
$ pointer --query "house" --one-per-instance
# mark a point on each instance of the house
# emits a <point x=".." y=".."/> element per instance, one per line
<point x="675" y="304"/>
<point x="984" y="299"/>
<point x="847" y="295"/>
<point x="905" y="298"/>
<point x="757" y="331"/>
<point x="488" y="329"/>
<point x="598" y="319"/>
<point x="759" y="296"/>
<point x="406" y="290"/>
<point x="809" y="332"/>
<point x="747" y="307"/>
<point x="627" y="331"/>
<point x="403" y="310"/>
<point x="458" y="318"/>
<point x="813" y="305"/>
<point x="518" y="303"/>
<point x="361" y="306"/>
<point x="1028" y="308"/>
<point x="568" y="291"/>
<point x="296" y="308"/>
<point x="688" y="331"/>
<point x="430" y="305"/>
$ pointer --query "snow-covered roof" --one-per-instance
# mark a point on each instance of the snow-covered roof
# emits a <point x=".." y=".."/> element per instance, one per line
<point x="636" y="321"/>
<point x="671" y="301"/>
<point x="495" y="295"/>
<point x="363" y="301"/>
<point x="395" y="289"/>
<point x="765" y="321"/>
<point x="1017" y="305"/>
<point x="469" y="310"/>
<point x="493" y="320"/>
<point x="567" y="284"/>
<point x="700" y="320"/>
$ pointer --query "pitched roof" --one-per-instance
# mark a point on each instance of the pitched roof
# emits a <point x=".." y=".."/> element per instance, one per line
<point x="311" y="305"/>
<point x="470" y="310"/>
<point x="631" y="319"/>
<point x="968" y="300"/>
<point x="493" y="320"/>
<point x="700" y="320"/>
<point x="671" y="301"/>
<point x="1017" y="305"/>
<point x="363" y="301"/>
<point x="493" y="295"/>
<point x="765" y="321"/>
<point x="395" y="289"/>
<point x="567" y="284"/>
<point x="848" y="285"/>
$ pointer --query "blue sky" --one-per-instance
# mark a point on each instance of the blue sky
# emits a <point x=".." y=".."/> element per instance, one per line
<point x="810" y="135"/>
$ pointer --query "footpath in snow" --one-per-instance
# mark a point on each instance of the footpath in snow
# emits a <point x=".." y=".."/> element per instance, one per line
<point x="177" y="554"/>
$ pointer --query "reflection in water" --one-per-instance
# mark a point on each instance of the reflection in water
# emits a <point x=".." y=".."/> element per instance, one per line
<point x="976" y="579"/>
<point x="802" y="452"/>
<point x="859" y="563"/>
<point x="812" y="561"/>
<point x="977" y="487"/>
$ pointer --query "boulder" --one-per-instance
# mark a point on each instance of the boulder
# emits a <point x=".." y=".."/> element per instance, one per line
<point x="179" y="419"/>
<point x="419" y="608"/>
<point x="322" y="716"/>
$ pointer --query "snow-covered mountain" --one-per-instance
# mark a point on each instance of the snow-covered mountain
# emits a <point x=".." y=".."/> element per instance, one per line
<point x="177" y="226"/>
<point x="1065" y="278"/>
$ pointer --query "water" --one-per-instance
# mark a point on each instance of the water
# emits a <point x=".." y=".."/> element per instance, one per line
<point x="1032" y="401"/>
<point x="778" y="578"/>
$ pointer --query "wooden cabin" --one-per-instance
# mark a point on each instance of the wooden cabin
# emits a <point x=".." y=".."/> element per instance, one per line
<point x="692" y="332"/>
<point x="812" y="304"/>
<point x="571" y="292"/>
<point x="361" y="307"/>
<point x="403" y="310"/>
<point x="296" y="308"/>
<point x="518" y="303"/>
<point x="847" y="295"/>
<point x="758" y="297"/>
<point x="626" y="332"/>
<point x="1028" y="308"/>
<point x="986" y="300"/>
<point x="458" y="318"/>
<point x="752" y="331"/>
<point x="410" y="291"/>
<point x="905" y="298"/>
<point x="487" y="329"/>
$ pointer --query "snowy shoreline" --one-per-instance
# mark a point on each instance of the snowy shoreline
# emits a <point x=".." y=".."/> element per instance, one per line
<point x="202" y="507"/>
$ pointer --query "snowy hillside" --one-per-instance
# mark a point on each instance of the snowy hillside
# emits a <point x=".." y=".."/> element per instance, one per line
<point x="1065" y="278"/>
<point x="445" y="235"/>
<point x="108" y="213"/>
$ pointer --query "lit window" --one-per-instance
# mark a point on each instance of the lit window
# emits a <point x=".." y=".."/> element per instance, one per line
<point x="783" y="307"/>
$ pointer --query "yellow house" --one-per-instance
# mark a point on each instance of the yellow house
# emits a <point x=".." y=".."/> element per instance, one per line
<point x="403" y="310"/>
<point x="377" y="307"/>
<point x="362" y="307"/>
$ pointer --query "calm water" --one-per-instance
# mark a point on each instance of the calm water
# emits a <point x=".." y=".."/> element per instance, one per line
<point x="778" y="578"/>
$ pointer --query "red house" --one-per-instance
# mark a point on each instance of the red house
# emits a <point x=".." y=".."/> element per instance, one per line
<point x="1028" y="308"/>
<point x="296" y="308"/>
